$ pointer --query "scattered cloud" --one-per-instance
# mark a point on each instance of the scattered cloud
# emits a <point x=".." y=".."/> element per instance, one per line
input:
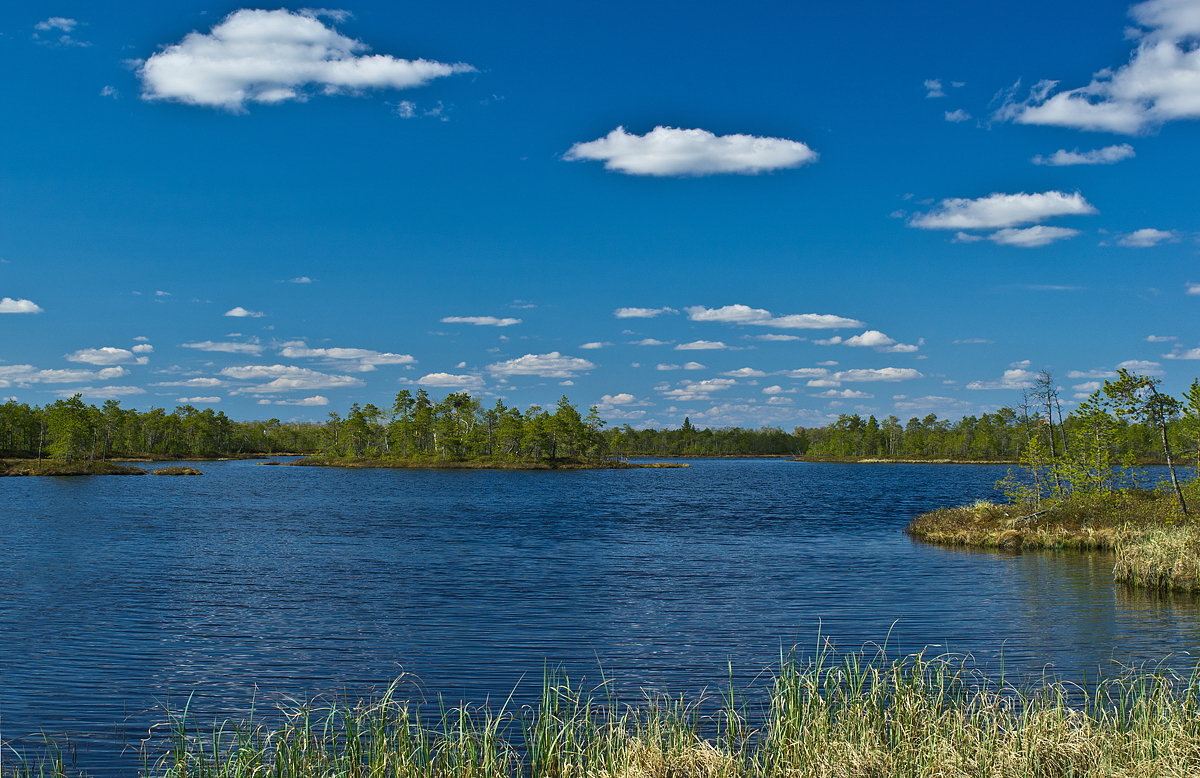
<point x="862" y="375"/>
<point x="239" y="312"/>
<point x="1160" y="338"/>
<point x="451" y="381"/>
<point x="101" y="392"/>
<point x="305" y="402"/>
<point x="275" y="56"/>
<point x="1001" y="210"/>
<point x="701" y="345"/>
<point x="198" y="400"/>
<point x="481" y="321"/>
<point x="225" y="347"/>
<point x="286" y="378"/>
<point x="641" y="313"/>
<point x="1147" y="238"/>
<point x="360" y="360"/>
<point x="552" y="365"/>
<point x="59" y="29"/>
<point x="1105" y="156"/>
<point x="299" y="280"/>
<point x="957" y="116"/>
<point x="775" y="337"/>
<point x="1191" y="353"/>
<point x="688" y="391"/>
<point x="650" y="342"/>
<point x="844" y="394"/>
<point x="1013" y="378"/>
<point x="669" y="151"/>
<point x="1100" y="372"/>
<point x="595" y="344"/>
<point x="1158" y="84"/>
<point x="27" y="375"/>
<point x="1031" y="237"/>
<point x="971" y="341"/>
<point x="1141" y="366"/>
<point x="11" y="305"/>
<point x="107" y="355"/>
<point x="933" y="88"/>
<point x="745" y="315"/>
<point x="684" y="366"/>
<point x="746" y="372"/>
<point x="1191" y="288"/>
<point x="195" y="383"/>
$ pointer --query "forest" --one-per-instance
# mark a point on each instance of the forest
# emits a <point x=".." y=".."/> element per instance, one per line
<point x="461" y="427"/>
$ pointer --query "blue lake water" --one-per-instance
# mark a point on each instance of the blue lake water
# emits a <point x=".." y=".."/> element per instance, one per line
<point x="121" y="594"/>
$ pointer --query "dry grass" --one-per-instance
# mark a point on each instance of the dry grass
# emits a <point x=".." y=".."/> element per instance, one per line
<point x="16" y="467"/>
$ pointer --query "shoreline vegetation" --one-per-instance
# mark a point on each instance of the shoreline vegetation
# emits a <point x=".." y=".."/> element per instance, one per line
<point x="833" y="716"/>
<point x="1077" y="491"/>
<point x="355" y="463"/>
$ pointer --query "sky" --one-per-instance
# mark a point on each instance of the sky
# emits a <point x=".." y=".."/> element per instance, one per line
<point x="763" y="214"/>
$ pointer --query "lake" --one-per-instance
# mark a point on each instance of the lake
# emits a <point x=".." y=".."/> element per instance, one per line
<point x="121" y="594"/>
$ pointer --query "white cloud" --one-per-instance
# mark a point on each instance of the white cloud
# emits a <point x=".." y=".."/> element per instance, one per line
<point x="774" y="389"/>
<point x="870" y="339"/>
<point x="1159" y="83"/>
<point x="1147" y="237"/>
<point x="774" y="337"/>
<point x="1013" y="378"/>
<point x="206" y="400"/>
<point x="299" y="280"/>
<point x="698" y="390"/>
<point x="844" y="394"/>
<point x="669" y="151"/>
<point x="1105" y="156"/>
<point x="745" y="372"/>
<point x="552" y="365"/>
<point x="595" y="344"/>
<point x="971" y="341"/>
<point x="1096" y="373"/>
<point x="877" y="374"/>
<point x="933" y="88"/>
<point x="1087" y="386"/>
<point x="684" y="366"/>
<point x="745" y="315"/>
<point x="808" y="372"/>
<point x="641" y="313"/>
<point x="1191" y="353"/>
<point x="451" y="381"/>
<point x="1141" y="366"/>
<point x="481" y="321"/>
<point x="305" y="402"/>
<point x="931" y="402"/>
<point x="61" y="23"/>
<point x="361" y="360"/>
<point x="241" y="313"/>
<point x="957" y="115"/>
<point x="1192" y="288"/>
<point x="1031" y="237"/>
<point x="1160" y="338"/>
<point x="225" y="347"/>
<point x="142" y="348"/>
<point x="260" y="56"/>
<point x="287" y="378"/>
<point x="701" y="345"/>
<point x="25" y="375"/>
<point x="11" y="305"/>
<point x="105" y="355"/>
<point x="650" y="342"/>
<point x="1001" y="210"/>
<point x="621" y="398"/>
<point x="101" y="392"/>
<point x="195" y="383"/>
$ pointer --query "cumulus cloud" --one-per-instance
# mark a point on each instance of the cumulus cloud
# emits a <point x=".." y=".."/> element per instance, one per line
<point x="203" y="400"/>
<point x="261" y="56"/>
<point x="669" y="151"/>
<point x="60" y="28"/>
<point x="701" y="345"/>
<point x="844" y="394"/>
<point x="481" y="321"/>
<point x="933" y="88"/>
<point x="746" y="372"/>
<point x="697" y="390"/>
<point x="286" y="378"/>
<point x="870" y="339"/>
<point x="1013" y="378"/>
<point x="304" y="402"/>
<point x="26" y="375"/>
<point x="299" y="280"/>
<point x="641" y="313"/>
<point x="1147" y="237"/>
<point x="1105" y="156"/>
<point x="745" y="315"/>
<point x="621" y="398"/>
<point x="451" y="381"/>
<point x="862" y="375"/>
<point x="1031" y="237"/>
<point x="11" y="305"/>
<point x="1191" y="353"/>
<point x="239" y="312"/>
<point x="195" y="383"/>
<point x="773" y="337"/>
<point x="1141" y="366"/>
<point x="1001" y="210"/>
<point x="807" y="372"/>
<point x="552" y="365"/>
<point x="361" y="360"/>
<point x="1095" y="373"/>
<point x="957" y="115"/>
<point x="225" y="347"/>
<point x="595" y="344"/>
<point x="650" y="342"/>
<point x="1159" y="83"/>
<point x="684" y="366"/>
<point x="106" y="355"/>
<point x="101" y="392"/>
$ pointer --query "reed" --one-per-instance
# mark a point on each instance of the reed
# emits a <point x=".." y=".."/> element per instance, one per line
<point x="834" y="716"/>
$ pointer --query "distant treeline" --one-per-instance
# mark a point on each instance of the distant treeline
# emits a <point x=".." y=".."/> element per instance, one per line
<point x="461" y="427"/>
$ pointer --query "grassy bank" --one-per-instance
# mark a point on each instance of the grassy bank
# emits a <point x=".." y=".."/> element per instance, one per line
<point x="848" y="718"/>
<point x="899" y="461"/>
<point x="1155" y="546"/>
<point x="15" y="467"/>
<point x="477" y="464"/>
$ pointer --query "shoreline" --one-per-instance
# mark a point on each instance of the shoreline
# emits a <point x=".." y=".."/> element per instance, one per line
<point x="410" y="464"/>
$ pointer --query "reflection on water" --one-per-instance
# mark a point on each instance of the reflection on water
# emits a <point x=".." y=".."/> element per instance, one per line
<point x="251" y="582"/>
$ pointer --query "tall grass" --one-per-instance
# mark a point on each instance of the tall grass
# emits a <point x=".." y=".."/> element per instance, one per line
<point x="832" y="717"/>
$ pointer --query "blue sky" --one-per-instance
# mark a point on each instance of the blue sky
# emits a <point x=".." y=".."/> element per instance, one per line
<point x="826" y="207"/>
